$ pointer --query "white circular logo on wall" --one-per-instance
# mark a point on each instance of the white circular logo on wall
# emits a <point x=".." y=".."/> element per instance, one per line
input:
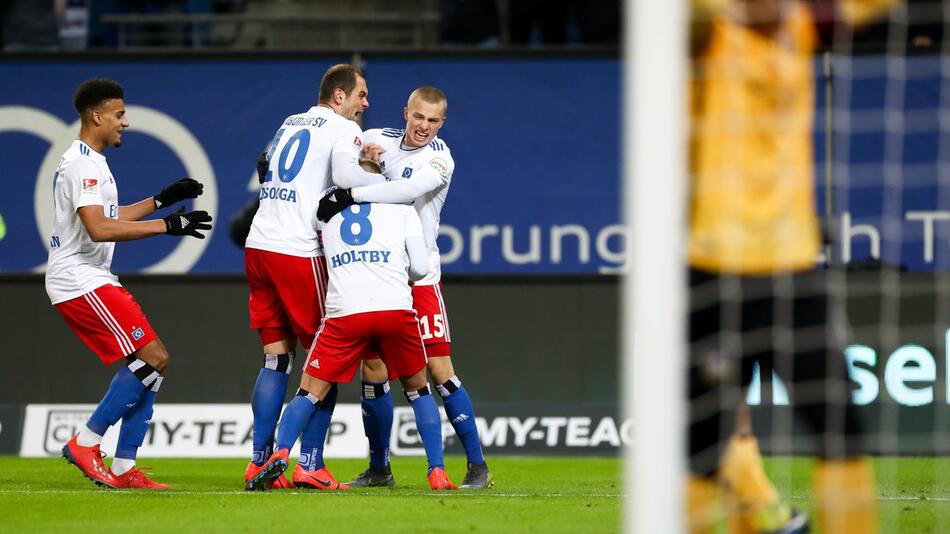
<point x="148" y="121"/>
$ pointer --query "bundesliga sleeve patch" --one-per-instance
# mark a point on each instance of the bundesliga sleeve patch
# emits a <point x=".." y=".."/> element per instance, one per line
<point x="90" y="185"/>
<point x="357" y="142"/>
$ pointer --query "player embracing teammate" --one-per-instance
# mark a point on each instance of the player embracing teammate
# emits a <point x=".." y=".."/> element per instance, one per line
<point x="286" y="270"/>
<point x="372" y="250"/>
<point x="418" y="167"/>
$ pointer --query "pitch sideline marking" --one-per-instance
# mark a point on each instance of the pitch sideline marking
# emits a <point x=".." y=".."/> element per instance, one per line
<point x="414" y="494"/>
<point x="883" y="499"/>
<point x="242" y="492"/>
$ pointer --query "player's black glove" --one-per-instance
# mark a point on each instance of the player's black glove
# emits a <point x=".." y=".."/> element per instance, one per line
<point x="240" y="223"/>
<point x="187" y="223"/>
<point x="334" y="202"/>
<point x="178" y="191"/>
<point x="262" y="166"/>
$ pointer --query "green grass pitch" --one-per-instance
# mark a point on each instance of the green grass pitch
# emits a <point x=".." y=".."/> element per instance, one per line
<point x="531" y="495"/>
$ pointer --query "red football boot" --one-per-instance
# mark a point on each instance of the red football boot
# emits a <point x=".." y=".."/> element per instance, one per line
<point x="89" y="461"/>
<point x="136" y="479"/>
<point x="280" y="482"/>
<point x="273" y="468"/>
<point x="321" y="479"/>
<point x="439" y="480"/>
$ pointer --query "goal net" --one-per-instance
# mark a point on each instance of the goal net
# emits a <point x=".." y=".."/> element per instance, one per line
<point x="787" y="171"/>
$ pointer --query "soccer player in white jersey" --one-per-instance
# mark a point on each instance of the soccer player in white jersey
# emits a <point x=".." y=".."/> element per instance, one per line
<point x="286" y="271"/>
<point x="79" y="281"/>
<point x="372" y="251"/>
<point x="418" y="167"/>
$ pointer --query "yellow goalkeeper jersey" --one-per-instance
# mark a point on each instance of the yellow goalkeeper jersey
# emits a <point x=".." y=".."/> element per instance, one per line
<point x="752" y="205"/>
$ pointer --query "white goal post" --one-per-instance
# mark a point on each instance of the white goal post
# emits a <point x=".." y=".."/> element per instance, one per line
<point x="653" y="309"/>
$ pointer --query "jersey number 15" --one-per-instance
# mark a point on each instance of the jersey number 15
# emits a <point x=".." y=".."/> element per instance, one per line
<point x="435" y="331"/>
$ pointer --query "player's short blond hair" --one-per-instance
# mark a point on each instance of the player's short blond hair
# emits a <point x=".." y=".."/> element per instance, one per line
<point x="432" y="95"/>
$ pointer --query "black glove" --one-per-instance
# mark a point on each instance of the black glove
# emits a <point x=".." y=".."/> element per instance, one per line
<point x="187" y="223"/>
<point x="334" y="202"/>
<point x="262" y="166"/>
<point x="178" y="191"/>
<point x="240" y="223"/>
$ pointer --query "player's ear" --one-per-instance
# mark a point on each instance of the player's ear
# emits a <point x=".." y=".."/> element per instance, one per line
<point x="339" y="96"/>
<point x="405" y="113"/>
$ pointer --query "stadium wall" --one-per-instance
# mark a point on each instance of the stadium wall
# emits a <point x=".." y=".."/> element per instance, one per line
<point x="524" y="340"/>
<point x="539" y="354"/>
<point x="529" y="233"/>
<point x="535" y="140"/>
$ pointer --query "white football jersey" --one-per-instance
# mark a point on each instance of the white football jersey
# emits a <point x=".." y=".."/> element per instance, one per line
<point x="431" y="164"/>
<point x="300" y="169"/>
<point x="365" y="248"/>
<point x="77" y="264"/>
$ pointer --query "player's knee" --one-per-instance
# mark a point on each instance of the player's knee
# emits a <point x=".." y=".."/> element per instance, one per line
<point x="414" y="382"/>
<point x="374" y="371"/>
<point x="441" y="368"/>
<point x="155" y="354"/>
<point x="317" y="387"/>
<point x="161" y="361"/>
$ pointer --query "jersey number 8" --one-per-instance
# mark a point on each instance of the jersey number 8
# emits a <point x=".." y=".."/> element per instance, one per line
<point x="356" y="215"/>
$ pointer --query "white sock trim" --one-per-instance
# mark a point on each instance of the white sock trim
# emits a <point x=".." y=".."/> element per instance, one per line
<point x="121" y="466"/>
<point x="88" y="438"/>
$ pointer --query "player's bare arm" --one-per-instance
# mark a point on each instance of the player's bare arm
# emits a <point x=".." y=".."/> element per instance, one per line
<point x="104" y="229"/>
<point x="137" y="211"/>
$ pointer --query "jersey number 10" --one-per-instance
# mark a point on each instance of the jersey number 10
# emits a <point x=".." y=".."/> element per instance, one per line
<point x="287" y="173"/>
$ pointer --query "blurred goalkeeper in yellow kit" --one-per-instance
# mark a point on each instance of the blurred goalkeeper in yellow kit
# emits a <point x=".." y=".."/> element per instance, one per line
<point x="755" y="293"/>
